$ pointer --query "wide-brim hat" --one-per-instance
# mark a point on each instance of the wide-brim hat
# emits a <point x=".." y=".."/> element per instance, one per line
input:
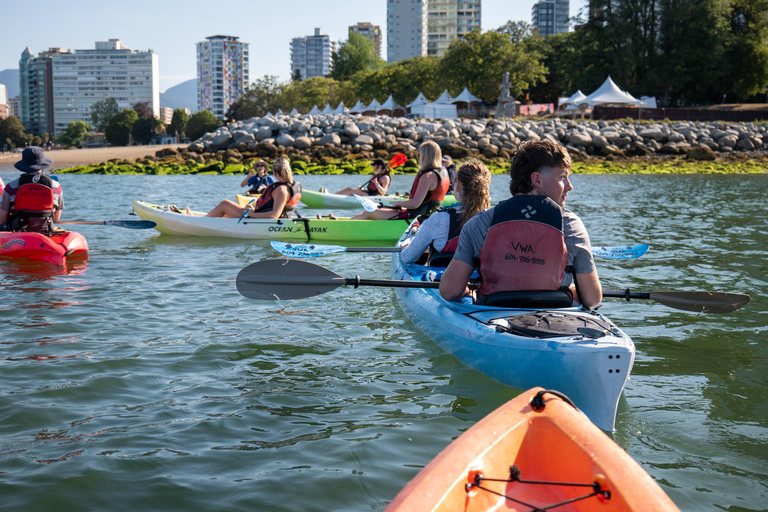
<point x="379" y="162"/>
<point x="262" y="162"/>
<point x="33" y="159"/>
<point x="447" y="160"/>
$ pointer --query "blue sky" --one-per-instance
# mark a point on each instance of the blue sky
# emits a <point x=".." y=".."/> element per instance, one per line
<point x="171" y="27"/>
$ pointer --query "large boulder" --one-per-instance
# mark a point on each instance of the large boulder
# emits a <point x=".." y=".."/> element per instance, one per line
<point x="331" y="138"/>
<point x="580" y="139"/>
<point x="264" y="132"/>
<point x="351" y="130"/>
<point x="700" y="152"/>
<point x="285" y="140"/>
<point x="222" y="140"/>
<point x="302" y="143"/>
<point x="361" y="140"/>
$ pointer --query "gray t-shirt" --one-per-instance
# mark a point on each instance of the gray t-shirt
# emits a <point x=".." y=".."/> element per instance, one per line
<point x="576" y="242"/>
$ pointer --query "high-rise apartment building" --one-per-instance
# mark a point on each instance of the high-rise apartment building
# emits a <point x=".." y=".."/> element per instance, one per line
<point x="3" y="102"/>
<point x="311" y="55"/>
<point x="109" y="70"/>
<point x="406" y="29"/>
<point x="449" y="20"/>
<point x="222" y="73"/>
<point x="14" y="106"/>
<point x="551" y="16"/>
<point x="36" y="92"/>
<point x="370" y="32"/>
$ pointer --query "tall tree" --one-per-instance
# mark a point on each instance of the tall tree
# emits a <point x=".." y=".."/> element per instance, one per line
<point x="143" y="109"/>
<point x="746" y="56"/>
<point x="102" y="112"/>
<point x="261" y="97"/>
<point x="118" y="131"/>
<point x="12" y="132"/>
<point x="144" y="129"/>
<point x="355" y="54"/>
<point x="179" y="122"/>
<point x="74" y="134"/>
<point x="201" y="123"/>
<point x="305" y="94"/>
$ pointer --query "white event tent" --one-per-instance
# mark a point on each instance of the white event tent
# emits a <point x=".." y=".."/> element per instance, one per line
<point x="294" y="112"/>
<point x="573" y="102"/>
<point x="327" y="109"/>
<point x="314" y="111"/>
<point x="373" y="107"/>
<point x="358" y="108"/>
<point x="390" y="107"/>
<point x="340" y="109"/>
<point x="609" y="93"/>
<point x="466" y="97"/>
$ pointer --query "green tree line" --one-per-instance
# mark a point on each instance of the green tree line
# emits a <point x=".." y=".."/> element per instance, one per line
<point x="684" y="52"/>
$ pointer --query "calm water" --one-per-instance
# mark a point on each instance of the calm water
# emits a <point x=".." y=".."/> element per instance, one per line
<point x="141" y="379"/>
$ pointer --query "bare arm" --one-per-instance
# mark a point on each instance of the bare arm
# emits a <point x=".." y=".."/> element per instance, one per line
<point x="426" y="184"/>
<point x="590" y="289"/>
<point x="245" y="181"/>
<point x="279" y="198"/>
<point x="382" y="189"/>
<point x="453" y="284"/>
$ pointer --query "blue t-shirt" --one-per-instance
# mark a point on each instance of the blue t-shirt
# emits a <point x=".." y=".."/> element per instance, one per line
<point x="255" y="181"/>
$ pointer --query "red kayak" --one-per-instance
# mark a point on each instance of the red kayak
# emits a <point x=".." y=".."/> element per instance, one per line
<point x="535" y="453"/>
<point x="56" y="249"/>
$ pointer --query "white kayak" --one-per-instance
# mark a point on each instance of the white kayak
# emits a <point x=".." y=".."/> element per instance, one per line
<point x="326" y="200"/>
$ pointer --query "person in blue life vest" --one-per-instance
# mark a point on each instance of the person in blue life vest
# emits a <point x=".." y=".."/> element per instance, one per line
<point x="450" y="168"/>
<point x="376" y="186"/>
<point x="34" y="201"/>
<point x="278" y="200"/>
<point x="427" y="192"/>
<point x="258" y="178"/>
<point x="529" y="242"/>
<point x="439" y="234"/>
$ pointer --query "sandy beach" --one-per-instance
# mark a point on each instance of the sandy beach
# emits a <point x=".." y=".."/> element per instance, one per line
<point x="64" y="158"/>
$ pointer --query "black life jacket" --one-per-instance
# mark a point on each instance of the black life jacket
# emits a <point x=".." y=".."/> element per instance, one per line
<point x="443" y="257"/>
<point x="33" y="204"/>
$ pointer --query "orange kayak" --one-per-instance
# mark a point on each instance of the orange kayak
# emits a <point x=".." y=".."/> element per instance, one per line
<point x="55" y="249"/>
<point x="536" y="452"/>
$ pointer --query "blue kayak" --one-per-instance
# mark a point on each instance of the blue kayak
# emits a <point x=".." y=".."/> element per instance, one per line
<point x="578" y="352"/>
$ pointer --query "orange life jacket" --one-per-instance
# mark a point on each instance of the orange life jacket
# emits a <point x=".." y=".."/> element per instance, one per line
<point x="33" y="204"/>
<point x="434" y="198"/>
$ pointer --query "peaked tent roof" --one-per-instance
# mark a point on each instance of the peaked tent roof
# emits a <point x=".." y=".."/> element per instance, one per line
<point x="374" y="106"/>
<point x="466" y="97"/>
<point x="314" y="111"/>
<point x="340" y="109"/>
<point x="359" y="107"/>
<point x="420" y="100"/>
<point x="294" y="112"/>
<point x="390" y="105"/>
<point x="444" y="98"/>
<point x="327" y="109"/>
<point x="575" y="99"/>
<point x="608" y="93"/>
<point x="279" y="112"/>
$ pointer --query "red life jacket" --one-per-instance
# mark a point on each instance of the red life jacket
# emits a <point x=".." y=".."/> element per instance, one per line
<point x="33" y="204"/>
<point x="266" y="202"/>
<point x="434" y="198"/>
<point x="524" y="248"/>
<point x="443" y="257"/>
<point x="371" y="188"/>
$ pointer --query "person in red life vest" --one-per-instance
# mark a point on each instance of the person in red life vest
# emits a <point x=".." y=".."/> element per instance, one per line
<point x="34" y="201"/>
<point x="427" y="193"/>
<point x="2" y="186"/>
<point x="440" y="232"/>
<point x="530" y="242"/>
<point x="278" y="200"/>
<point x="376" y="186"/>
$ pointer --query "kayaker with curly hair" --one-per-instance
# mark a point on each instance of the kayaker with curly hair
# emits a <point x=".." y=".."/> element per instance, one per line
<point x="427" y="193"/>
<point x="376" y="186"/>
<point x="529" y="242"/>
<point x="278" y="200"/>
<point x="440" y="232"/>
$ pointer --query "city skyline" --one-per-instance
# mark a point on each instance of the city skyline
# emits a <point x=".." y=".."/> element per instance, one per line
<point x="177" y="27"/>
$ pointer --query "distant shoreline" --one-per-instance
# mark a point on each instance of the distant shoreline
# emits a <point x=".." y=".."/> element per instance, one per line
<point x="66" y="158"/>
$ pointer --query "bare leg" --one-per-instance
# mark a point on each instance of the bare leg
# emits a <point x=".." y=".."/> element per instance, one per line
<point x="349" y="191"/>
<point x="380" y="214"/>
<point x="226" y="208"/>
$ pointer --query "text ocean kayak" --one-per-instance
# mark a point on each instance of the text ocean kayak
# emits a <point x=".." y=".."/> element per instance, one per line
<point x="294" y="229"/>
<point x="325" y="200"/>
<point x="537" y="437"/>
<point x="55" y="249"/>
<point x="580" y="353"/>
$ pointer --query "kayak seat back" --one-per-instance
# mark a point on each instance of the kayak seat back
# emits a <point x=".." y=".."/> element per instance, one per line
<point x="440" y="259"/>
<point x="536" y="299"/>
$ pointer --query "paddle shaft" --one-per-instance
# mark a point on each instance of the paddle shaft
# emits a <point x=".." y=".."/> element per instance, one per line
<point x="130" y="224"/>
<point x="626" y="294"/>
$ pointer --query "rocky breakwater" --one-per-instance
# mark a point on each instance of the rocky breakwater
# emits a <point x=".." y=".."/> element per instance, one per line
<point x="322" y="138"/>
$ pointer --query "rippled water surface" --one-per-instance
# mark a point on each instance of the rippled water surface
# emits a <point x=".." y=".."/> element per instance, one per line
<point x="141" y="379"/>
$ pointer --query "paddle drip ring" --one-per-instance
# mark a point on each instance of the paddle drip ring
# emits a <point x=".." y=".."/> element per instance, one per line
<point x="538" y="403"/>
<point x="514" y="477"/>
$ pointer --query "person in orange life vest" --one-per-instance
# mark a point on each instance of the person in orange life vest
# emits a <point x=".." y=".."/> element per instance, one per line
<point x="277" y="201"/>
<point x="34" y="201"/>
<point x="534" y="253"/>
<point x="440" y="232"/>
<point x="258" y="178"/>
<point x="376" y="186"/>
<point x="2" y="186"/>
<point x="427" y="193"/>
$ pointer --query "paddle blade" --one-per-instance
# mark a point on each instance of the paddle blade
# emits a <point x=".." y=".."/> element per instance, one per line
<point x="132" y="224"/>
<point x="621" y="251"/>
<point x="702" y="302"/>
<point x="397" y="160"/>
<point x="282" y="279"/>
<point x="366" y="203"/>
<point x="306" y="250"/>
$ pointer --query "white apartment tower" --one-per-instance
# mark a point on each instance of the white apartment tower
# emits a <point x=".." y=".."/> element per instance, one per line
<point x="370" y="32"/>
<point x="449" y="20"/>
<point x="551" y="16"/>
<point x="222" y="73"/>
<point x="311" y="56"/>
<point x="84" y="77"/>
<point x="406" y="29"/>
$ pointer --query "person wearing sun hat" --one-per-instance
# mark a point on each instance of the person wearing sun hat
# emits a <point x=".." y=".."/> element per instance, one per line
<point x="34" y="201"/>
<point x="258" y="178"/>
<point x="449" y="166"/>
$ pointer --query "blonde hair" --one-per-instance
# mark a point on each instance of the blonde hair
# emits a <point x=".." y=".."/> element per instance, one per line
<point x="430" y="156"/>
<point x="475" y="179"/>
<point x="282" y="168"/>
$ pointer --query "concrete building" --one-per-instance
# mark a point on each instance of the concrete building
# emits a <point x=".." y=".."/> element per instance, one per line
<point x="3" y="102"/>
<point x="36" y="92"/>
<point x="222" y="73"/>
<point x="406" y="29"/>
<point x="551" y="16"/>
<point x="311" y="55"/>
<point x="370" y="32"/>
<point x="14" y="106"/>
<point x="166" y="114"/>
<point x="110" y="70"/>
<point x="449" y="20"/>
